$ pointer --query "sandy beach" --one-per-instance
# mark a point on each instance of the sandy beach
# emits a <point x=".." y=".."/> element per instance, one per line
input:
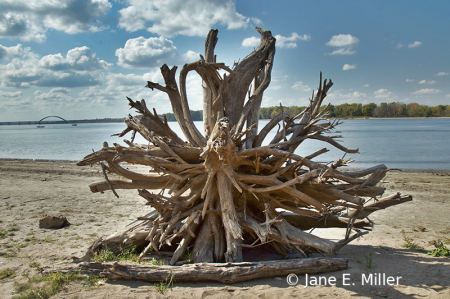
<point x="31" y="189"/>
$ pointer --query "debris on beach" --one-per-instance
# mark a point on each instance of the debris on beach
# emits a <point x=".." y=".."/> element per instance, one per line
<point x="228" y="189"/>
<point x="53" y="222"/>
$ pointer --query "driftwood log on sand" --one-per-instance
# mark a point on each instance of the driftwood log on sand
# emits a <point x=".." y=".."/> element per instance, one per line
<point x="217" y="272"/>
<point x="229" y="188"/>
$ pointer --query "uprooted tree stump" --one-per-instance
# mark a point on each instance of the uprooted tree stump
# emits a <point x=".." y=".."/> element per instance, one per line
<point x="223" y="190"/>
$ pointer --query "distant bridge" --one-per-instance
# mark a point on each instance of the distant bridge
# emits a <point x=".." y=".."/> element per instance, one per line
<point x="53" y="116"/>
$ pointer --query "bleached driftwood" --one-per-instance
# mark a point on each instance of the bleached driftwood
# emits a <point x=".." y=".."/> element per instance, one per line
<point x="223" y="190"/>
<point x="214" y="272"/>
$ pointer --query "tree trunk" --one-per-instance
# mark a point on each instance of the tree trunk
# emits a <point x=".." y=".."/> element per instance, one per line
<point x="214" y="272"/>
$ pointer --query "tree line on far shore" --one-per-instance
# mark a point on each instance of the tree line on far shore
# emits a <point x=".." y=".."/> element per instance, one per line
<point x="393" y="109"/>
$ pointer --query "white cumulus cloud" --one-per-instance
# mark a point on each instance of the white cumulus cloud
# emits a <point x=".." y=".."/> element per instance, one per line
<point x="29" y="20"/>
<point x="383" y="93"/>
<point x="80" y="59"/>
<point x="442" y="74"/>
<point x="345" y="44"/>
<point x="341" y="97"/>
<point x="427" y="82"/>
<point x="55" y="94"/>
<point x="151" y="52"/>
<point x="414" y="44"/>
<point x="57" y="98"/>
<point x="299" y="85"/>
<point x="427" y="91"/>
<point x="12" y="52"/>
<point x="282" y="41"/>
<point x="80" y="67"/>
<point x="347" y="67"/>
<point x="141" y="52"/>
<point x="190" y="56"/>
<point x="290" y="42"/>
<point x="343" y="40"/>
<point x="10" y="94"/>
<point x="118" y="86"/>
<point x="409" y="80"/>
<point x="252" y="41"/>
<point x="343" y="51"/>
<point x="17" y="106"/>
<point x="185" y="17"/>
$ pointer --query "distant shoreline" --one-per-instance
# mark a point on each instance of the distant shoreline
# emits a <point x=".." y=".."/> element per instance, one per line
<point x="72" y="121"/>
<point x="406" y="117"/>
<point x="37" y="160"/>
<point x="120" y="120"/>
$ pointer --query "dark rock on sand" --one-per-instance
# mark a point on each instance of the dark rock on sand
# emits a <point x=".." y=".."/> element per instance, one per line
<point x="53" y="222"/>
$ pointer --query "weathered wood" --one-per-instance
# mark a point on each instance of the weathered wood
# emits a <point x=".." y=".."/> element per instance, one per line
<point x="173" y="93"/>
<point x="287" y="234"/>
<point x="217" y="272"/>
<point x="208" y="113"/>
<point x="154" y="183"/>
<point x="305" y="222"/>
<point x="267" y="128"/>
<point x="153" y="122"/>
<point x="383" y="203"/>
<point x="253" y="115"/>
<point x="195" y="133"/>
<point x="243" y="74"/>
<point x="223" y="191"/>
<point x="229" y="216"/>
<point x="181" y="249"/>
<point x="203" y="251"/>
<point x="254" y="102"/>
<point x="141" y="156"/>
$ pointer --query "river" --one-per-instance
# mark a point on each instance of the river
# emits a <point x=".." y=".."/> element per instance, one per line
<point x="398" y="143"/>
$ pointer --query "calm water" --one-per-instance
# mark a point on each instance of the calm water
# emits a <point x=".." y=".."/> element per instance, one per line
<point x="398" y="143"/>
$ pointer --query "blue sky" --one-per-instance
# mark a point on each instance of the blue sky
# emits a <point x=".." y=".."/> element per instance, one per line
<point x="79" y="59"/>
